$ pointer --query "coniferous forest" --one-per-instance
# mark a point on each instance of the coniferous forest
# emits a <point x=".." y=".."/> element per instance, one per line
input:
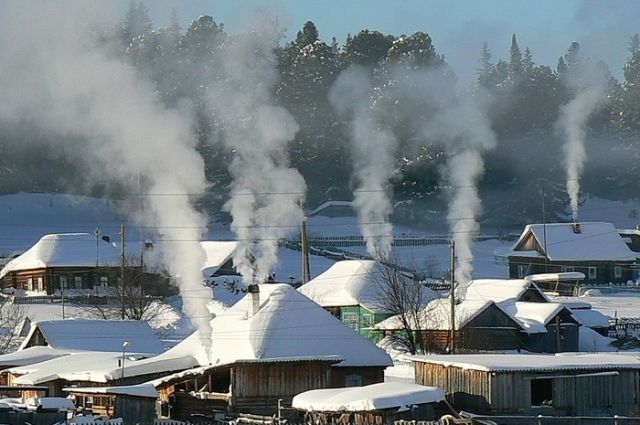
<point x="523" y="99"/>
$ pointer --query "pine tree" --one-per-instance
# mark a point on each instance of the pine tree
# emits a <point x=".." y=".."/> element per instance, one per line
<point x="561" y="67"/>
<point x="486" y="67"/>
<point x="308" y="35"/>
<point x="527" y="63"/>
<point x="136" y="22"/>
<point x="515" y="60"/>
<point x="629" y="114"/>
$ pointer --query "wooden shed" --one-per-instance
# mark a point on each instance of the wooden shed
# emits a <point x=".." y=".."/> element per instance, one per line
<point x="134" y="404"/>
<point x="568" y="384"/>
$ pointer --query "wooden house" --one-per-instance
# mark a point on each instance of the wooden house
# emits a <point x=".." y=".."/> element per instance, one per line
<point x="595" y="249"/>
<point x="348" y="291"/>
<point x="531" y="384"/>
<point x="134" y="404"/>
<point x="69" y="261"/>
<point x="283" y="344"/>
<point x="495" y="314"/>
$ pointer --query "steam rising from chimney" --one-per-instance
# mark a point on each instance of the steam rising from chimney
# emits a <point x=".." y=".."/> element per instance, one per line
<point x="108" y="117"/>
<point x="266" y="194"/>
<point x="372" y="149"/>
<point x="591" y="89"/>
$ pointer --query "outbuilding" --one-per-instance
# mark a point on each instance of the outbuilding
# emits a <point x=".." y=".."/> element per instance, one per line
<point x="570" y="384"/>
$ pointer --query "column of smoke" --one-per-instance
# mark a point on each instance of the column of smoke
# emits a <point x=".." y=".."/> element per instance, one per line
<point x="591" y="87"/>
<point x="266" y="194"/>
<point x="372" y="151"/>
<point x="465" y="129"/>
<point x="459" y="125"/>
<point x="60" y="81"/>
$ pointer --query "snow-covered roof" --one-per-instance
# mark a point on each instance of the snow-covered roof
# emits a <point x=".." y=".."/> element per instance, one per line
<point x="288" y="326"/>
<point x="533" y="317"/>
<point x="596" y="241"/>
<point x="97" y="335"/>
<point x="553" y="277"/>
<point x="498" y="290"/>
<point x="140" y="390"/>
<point x="217" y="253"/>
<point x="436" y="315"/>
<point x="385" y="395"/>
<point x="31" y="355"/>
<point x="85" y="366"/>
<point x="59" y="404"/>
<point x="65" y="250"/>
<point x="591" y="318"/>
<point x="328" y="204"/>
<point x="534" y="362"/>
<point x="345" y="283"/>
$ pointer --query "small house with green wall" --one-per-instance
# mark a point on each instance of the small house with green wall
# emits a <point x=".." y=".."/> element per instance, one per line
<point x="348" y="291"/>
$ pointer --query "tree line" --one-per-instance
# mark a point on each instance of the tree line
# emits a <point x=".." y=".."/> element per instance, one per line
<point x="523" y="98"/>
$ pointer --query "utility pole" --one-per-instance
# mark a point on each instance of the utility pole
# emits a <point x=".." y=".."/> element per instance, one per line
<point x="122" y="259"/>
<point x="452" y="299"/>
<point x="140" y="223"/>
<point x="544" y="235"/>
<point x="304" y="241"/>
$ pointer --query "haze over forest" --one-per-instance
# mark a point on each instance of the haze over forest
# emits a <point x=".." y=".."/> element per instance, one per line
<point x="378" y="114"/>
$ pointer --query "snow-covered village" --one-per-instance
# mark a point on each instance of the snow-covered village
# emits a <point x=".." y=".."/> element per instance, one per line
<point x="341" y="212"/>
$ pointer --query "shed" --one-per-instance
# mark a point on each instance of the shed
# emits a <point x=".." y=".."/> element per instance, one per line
<point x="595" y="249"/>
<point x="569" y="384"/>
<point x="134" y="404"/>
<point x="371" y="404"/>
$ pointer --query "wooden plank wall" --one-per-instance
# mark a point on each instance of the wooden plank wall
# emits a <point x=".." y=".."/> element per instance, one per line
<point x="263" y="384"/>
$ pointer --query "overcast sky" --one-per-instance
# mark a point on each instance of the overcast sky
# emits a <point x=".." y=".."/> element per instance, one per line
<point x="457" y="27"/>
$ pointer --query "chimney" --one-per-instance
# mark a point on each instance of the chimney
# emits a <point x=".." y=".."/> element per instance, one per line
<point x="253" y="292"/>
<point x="576" y="227"/>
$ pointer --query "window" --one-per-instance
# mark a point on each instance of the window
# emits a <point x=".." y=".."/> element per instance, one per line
<point x="29" y="284"/>
<point x="104" y="281"/>
<point x="40" y="284"/>
<point x="63" y="282"/>
<point x="567" y="269"/>
<point x="353" y="380"/>
<point x="523" y="270"/>
<point x="542" y="392"/>
<point x="593" y="272"/>
<point x="617" y="272"/>
<point x="350" y="319"/>
<point x="78" y="282"/>
<point x="367" y="320"/>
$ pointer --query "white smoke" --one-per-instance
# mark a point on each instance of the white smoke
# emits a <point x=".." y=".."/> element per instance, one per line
<point x="591" y="93"/>
<point x="60" y="80"/>
<point x="266" y="194"/>
<point x="465" y="129"/>
<point x="372" y="149"/>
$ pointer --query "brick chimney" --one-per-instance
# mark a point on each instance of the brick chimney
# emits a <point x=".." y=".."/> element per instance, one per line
<point x="253" y="293"/>
<point x="576" y="228"/>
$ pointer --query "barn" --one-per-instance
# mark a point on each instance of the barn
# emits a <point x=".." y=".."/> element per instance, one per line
<point x="570" y="384"/>
<point x="593" y="248"/>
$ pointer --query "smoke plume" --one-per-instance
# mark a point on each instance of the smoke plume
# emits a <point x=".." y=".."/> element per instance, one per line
<point x="466" y="131"/>
<point x="590" y="84"/>
<point x="61" y="79"/>
<point x="266" y="194"/>
<point x="372" y="149"/>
